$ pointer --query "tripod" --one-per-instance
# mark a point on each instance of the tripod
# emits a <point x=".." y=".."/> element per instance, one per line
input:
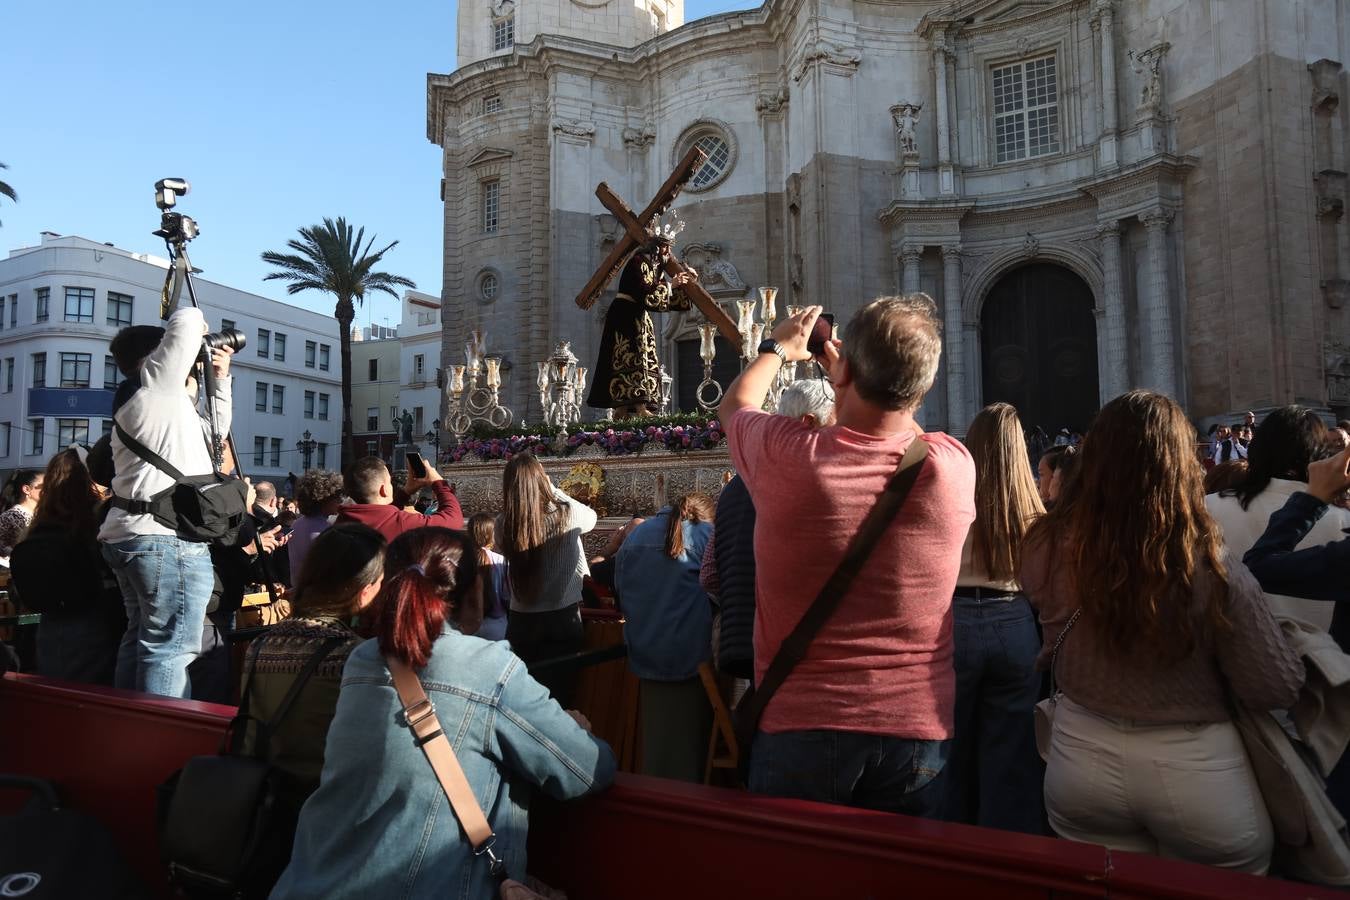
<point x="177" y="230"/>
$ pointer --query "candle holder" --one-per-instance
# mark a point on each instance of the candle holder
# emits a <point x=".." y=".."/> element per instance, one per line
<point x="768" y="297"/>
<point x="707" y="351"/>
<point x="560" y="384"/>
<point x="471" y="401"/>
<point x="666" y="384"/>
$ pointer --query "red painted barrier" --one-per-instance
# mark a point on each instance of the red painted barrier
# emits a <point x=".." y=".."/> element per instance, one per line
<point x="645" y="837"/>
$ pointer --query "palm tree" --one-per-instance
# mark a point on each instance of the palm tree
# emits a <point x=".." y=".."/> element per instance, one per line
<point x="6" y="190"/>
<point x="330" y="257"/>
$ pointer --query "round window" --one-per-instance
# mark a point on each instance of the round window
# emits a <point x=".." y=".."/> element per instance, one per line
<point x="717" y="144"/>
<point x="488" y="286"/>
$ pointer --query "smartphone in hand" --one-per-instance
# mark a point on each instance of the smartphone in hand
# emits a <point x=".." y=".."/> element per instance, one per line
<point x="416" y="465"/>
<point x="820" y="334"/>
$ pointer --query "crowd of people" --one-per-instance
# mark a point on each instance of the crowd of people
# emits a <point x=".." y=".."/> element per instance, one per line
<point x="1097" y="583"/>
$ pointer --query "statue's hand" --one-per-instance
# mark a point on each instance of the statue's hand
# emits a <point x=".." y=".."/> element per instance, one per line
<point x="685" y="277"/>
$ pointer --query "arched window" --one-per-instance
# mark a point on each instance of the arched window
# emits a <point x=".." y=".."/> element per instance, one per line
<point x="718" y="143"/>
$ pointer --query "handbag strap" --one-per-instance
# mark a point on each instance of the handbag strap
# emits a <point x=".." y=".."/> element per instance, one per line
<point x="269" y="727"/>
<point x="419" y="713"/>
<point x="1059" y="642"/>
<point x="146" y="453"/>
<point x="794" y="647"/>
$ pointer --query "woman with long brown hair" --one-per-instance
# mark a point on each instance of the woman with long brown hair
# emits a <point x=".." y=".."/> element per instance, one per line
<point x="994" y="776"/>
<point x="59" y="572"/>
<point x="540" y="536"/>
<point x="1156" y="626"/>
<point x="668" y="630"/>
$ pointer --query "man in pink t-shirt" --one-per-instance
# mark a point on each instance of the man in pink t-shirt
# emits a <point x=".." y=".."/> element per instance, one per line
<point x="866" y="717"/>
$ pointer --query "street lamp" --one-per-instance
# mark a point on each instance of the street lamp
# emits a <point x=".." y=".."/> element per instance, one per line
<point x="434" y="438"/>
<point x="306" y="447"/>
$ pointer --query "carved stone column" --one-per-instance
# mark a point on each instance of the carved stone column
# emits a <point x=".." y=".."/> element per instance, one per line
<point x="946" y="178"/>
<point x="1106" y="15"/>
<point x="1160" y="348"/>
<point x="957" y="414"/>
<point x="1116" y="378"/>
<point x="910" y="254"/>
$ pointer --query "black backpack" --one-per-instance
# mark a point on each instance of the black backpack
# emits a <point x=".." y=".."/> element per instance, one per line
<point x="48" y="852"/>
<point x="222" y="830"/>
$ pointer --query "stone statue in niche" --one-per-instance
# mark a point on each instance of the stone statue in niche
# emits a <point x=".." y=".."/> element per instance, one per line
<point x="906" y="118"/>
<point x="1148" y="63"/>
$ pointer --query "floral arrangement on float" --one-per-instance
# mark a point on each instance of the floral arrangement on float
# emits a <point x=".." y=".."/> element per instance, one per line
<point x="684" y="433"/>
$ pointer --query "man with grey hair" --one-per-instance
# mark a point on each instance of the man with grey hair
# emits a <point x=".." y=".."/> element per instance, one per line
<point x="811" y="401"/>
<point x="866" y="717"/>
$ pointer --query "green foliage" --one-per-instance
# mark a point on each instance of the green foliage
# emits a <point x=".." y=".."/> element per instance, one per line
<point x="330" y="258"/>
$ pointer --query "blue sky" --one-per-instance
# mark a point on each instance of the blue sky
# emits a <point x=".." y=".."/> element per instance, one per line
<point x="278" y="113"/>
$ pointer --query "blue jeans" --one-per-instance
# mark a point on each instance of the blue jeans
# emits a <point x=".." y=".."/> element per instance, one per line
<point x="166" y="586"/>
<point x="871" y="771"/>
<point x="995" y="773"/>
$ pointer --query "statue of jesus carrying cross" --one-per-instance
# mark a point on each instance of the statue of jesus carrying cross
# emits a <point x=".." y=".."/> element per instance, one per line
<point x="627" y="374"/>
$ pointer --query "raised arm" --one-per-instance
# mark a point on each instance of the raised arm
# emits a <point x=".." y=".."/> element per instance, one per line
<point x="1317" y="573"/>
<point x="168" y="365"/>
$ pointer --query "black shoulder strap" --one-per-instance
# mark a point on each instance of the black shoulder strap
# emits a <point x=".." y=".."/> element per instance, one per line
<point x="268" y="728"/>
<point x="146" y="453"/>
<point x="878" y="519"/>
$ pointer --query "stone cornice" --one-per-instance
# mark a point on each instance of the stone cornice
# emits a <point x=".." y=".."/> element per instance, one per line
<point x="958" y="18"/>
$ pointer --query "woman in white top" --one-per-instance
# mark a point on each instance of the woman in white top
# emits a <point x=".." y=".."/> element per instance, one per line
<point x="1277" y="466"/>
<point x="20" y="495"/>
<point x="993" y="773"/>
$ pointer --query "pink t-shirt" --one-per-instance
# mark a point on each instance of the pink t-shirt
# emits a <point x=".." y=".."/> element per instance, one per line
<point x="883" y="663"/>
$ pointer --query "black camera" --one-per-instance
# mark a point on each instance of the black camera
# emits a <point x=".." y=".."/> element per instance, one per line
<point x="226" y="338"/>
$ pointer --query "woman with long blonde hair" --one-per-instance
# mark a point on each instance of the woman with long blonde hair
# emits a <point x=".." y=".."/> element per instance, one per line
<point x="994" y="777"/>
<point x="1157" y="627"/>
<point x="540" y="536"/>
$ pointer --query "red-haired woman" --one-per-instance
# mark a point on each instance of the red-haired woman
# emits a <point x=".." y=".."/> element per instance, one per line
<point x="1155" y="626"/>
<point x="379" y="824"/>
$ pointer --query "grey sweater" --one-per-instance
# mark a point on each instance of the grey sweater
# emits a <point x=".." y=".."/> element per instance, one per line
<point x="164" y="418"/>
<point x="562" y="560"/>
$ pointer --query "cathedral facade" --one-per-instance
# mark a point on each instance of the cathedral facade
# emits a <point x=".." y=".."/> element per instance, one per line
<point x="1099" y="194"/>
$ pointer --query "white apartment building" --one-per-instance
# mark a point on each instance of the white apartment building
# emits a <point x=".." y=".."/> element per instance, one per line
<point x="419" y="358"/>
<point x="62" y="301"/>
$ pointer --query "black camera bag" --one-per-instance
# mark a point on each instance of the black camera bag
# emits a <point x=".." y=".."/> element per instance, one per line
<point x="223" y="830"/>
<point x="202" y="508"/>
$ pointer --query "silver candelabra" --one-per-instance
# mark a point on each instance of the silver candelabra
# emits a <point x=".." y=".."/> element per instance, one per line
<point x="561" y="384"/>
<point x="471" y="401"/>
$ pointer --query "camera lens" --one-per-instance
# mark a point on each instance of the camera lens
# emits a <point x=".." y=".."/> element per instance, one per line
<point x="231" y="338"/>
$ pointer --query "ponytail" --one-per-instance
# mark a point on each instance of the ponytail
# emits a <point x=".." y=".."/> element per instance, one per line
<point x="427" y="572"/>
<point x="695" y="508"/>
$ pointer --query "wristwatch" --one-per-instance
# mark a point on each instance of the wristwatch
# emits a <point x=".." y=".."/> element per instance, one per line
<point x="769" y="345"/>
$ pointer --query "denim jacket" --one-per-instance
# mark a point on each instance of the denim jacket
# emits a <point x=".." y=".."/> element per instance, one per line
<point x="668" y="627"/>
<point x="1318" y="573"/>
<point x="380" y="826"/>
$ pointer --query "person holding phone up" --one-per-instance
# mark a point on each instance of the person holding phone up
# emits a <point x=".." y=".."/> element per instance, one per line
<point x="371" y="487"/>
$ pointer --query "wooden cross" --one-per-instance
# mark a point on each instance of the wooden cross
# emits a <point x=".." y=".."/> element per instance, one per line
<point x="635" y="235"/>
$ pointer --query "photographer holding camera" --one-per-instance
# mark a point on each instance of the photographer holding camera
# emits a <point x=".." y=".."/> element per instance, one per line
<point x="166" y="578"/>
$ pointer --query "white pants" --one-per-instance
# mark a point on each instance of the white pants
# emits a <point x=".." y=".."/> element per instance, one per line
<point x="1179" y="791"/>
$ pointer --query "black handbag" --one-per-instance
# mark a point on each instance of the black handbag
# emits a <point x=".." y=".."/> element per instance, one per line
<point x="223" y="831"/>
<point x="201" y="508"/>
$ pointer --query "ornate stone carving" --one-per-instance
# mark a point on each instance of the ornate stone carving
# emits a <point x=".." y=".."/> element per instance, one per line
<point x="769" y="104"/>
<point x="609" y="230"/>
<point x="713" y="271"/>
<point x="1326" y="95"/>
<point x="951" y="251"/>
<point x="574" y="128"/>
<point x="639" y="138"/>
<point x="1158" y="218"/>
<point x="826" y="53"/>
<point x="906" y="118"/>
<point x="1024" y="45"/>
<point x="1335" y="291"/>
<point x="1148" y="63"/>
<point x="910" y="254"/>
<point x="1330" y="187"/>
<point x="1103" y="8"/>
<point x="1030" y="246"/>
<point x="502" y="9"/>
<point x="1108" y="230"/>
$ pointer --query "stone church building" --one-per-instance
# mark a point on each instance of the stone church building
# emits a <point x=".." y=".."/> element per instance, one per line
<point x="1099" y="194"/>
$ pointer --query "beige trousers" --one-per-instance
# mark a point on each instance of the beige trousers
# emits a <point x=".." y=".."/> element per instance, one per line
<point x="1178" y="791"/>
